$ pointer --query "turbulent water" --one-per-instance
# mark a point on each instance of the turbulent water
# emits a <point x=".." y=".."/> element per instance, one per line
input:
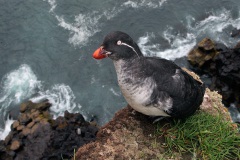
<point x="46" y="47"/>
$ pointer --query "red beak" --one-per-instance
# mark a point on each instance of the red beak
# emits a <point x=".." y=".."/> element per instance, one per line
<point x="98" y="54"/>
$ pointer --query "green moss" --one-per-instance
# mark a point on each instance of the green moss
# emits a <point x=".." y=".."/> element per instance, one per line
<point x="202" y="135"/>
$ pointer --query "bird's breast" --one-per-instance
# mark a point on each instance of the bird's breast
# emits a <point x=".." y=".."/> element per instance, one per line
<point x="137" y="90"/>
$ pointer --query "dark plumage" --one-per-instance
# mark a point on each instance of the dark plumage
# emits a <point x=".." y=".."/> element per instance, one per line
<point x="151" y="85"/>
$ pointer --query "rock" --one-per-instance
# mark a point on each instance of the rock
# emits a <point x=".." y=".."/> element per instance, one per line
<point x="47" y="115"/>
<point x="15" y="124"/>
<point x="15" y="145"/>
<point x="235" y="33"/>
<point x="26" y="131"/>
<point x="206" y="45"/>
<point x="36" y="135"/>
<point x="2" y="147"/>
<point x="237" y="48"/>
<point x="19" y="128"/>
<point x="25" y="106"/>
<point x="43" y="106"/>
<point x="34" y="128"/>
<point x="222" y="65"/>
<point x="204" y="52"/>
<point x="24" y="119"/>
<point x="8" y="138"/>
<point x="35" y="114"/>
<point x="29" y="125"/>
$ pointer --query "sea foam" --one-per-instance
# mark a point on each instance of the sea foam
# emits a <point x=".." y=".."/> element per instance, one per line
<point x="22" y="84"/>
<point x="61" y="97"/>
<point x="214" y="26"/>
<point x="179" y="45"/>
<point x="16" y="86"/>
<point x="84" y="25"/>
<point x="144" y="3"/>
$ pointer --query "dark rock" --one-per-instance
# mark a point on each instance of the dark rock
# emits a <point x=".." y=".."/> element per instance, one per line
<point x="29" y="125"/>
<point x="36" y="135"/>
<point x="16" y="144"/>
<point x="26" y="131"/>
<point x="2" y="147"/>
<point x="235" y="33"/>
<point x="43" y="106"/>
<point x="203" y="53"/>
<point x="19" y="128"/>
<point x="223" y="66"/>
<point x="15" y="124"/>
<point x="35" y="114"/>
<point x="47" y="115"/>
<point x="24" y="119"/>
<point x="8" y="138"/>
<point x="26" y="106"/>
<point x="206" y="45"/>
<point x="35" y="127"/>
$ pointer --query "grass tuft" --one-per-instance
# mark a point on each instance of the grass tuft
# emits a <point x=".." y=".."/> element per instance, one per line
<point x="203" y="135"/>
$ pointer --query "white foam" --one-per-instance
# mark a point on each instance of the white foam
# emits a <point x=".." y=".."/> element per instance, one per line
<point x="179" y="45"/>
<point x="214" y="25"/>
<point x="21" y="84"/>
<point x="16" y="86"/>
<point x="4" y="132"/>
<point x="84" y="25"/>
<point x="61" y="97"/>
<point x="144" y="3"/>
<point x="53" y="4"/>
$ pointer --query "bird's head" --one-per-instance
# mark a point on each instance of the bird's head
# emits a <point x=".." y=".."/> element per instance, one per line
<point x="117" y="45"/>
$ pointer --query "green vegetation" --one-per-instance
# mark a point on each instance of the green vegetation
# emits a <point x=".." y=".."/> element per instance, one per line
<point x="203" y="135"/>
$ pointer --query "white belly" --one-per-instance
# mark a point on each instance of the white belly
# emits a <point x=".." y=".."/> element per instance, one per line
<point x="138" y="92"/>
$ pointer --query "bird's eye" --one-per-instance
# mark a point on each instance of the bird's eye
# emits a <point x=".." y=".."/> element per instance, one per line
<point x="119" y="42"/>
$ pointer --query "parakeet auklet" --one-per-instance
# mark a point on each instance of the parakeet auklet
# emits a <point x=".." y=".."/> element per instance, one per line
<point x="151" y="85"/>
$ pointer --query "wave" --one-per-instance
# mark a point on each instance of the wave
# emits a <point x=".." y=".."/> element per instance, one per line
<point x="53" y="4"/>
<point x="179" y="45"/>
<point x="87" y="25"/>
<point x="16" y="86"/>
<point x="144" y="3"/>
<point x="84" y="25"/>
<point x="61" y="97"/>
<point x="22" y="84"/>
<point x="4" y="131"/>
<point x="215" y="26"/>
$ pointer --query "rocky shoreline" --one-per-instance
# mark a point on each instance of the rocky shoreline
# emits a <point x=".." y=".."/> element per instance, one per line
<point x="222" y="65"/>
<point x="36" y="135"/>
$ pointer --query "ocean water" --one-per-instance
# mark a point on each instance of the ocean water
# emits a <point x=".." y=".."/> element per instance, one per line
<point x="46" y="47"/>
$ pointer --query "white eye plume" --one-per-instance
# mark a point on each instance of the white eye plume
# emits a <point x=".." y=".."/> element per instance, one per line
<point x="120" y="43"/>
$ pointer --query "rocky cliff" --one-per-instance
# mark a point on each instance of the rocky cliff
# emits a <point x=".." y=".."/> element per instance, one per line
<point x="36" y="135"/>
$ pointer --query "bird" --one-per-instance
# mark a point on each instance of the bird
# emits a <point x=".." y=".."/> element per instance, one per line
<point x="153" y="86"/>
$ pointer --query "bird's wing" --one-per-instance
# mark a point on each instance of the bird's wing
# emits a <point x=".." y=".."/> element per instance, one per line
<point x="171" y="80"/>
